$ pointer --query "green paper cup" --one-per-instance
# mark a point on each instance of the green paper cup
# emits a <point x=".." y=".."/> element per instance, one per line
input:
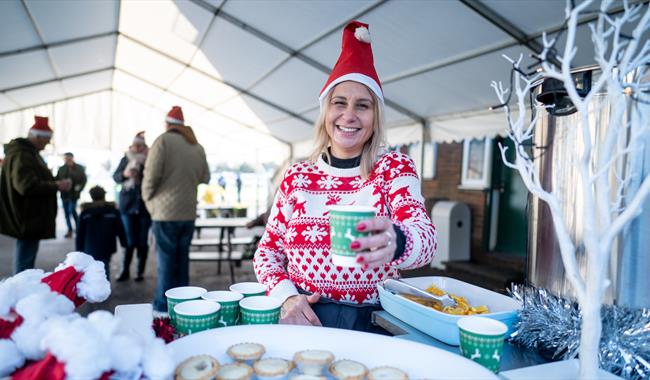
<point x="260" y="310"/>
<point x="181" y="294"/>
<point x="481" y="340"/>
<point x="229" y="302"/>
<point x="197" y="315"/>
<point x="343" y="231"/>
<point x="249" y="289"/>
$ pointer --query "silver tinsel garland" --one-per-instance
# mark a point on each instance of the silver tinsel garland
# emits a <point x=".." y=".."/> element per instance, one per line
<point x="550" y="325"/>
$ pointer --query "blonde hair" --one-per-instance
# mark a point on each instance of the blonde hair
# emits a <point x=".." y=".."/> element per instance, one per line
<point x="371" y="149"/>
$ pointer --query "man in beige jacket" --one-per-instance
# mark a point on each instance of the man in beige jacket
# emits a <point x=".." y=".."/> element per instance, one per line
<point x="175" y="166"/>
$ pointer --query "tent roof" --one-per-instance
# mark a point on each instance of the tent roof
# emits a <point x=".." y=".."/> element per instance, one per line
<point x="256" y="67"/>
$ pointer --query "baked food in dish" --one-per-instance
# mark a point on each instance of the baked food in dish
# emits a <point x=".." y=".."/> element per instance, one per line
<point x="387" y="373"/>
<point x="272" y="368"/>
<point x="200" y="367"/>
<point x="348" y="370"/>
<point x="235" y="371"/>
<point x="312" y="362"/>
<point x="246" y="352"/>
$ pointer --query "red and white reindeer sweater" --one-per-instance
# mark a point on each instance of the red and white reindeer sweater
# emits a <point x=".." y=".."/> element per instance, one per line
<point x="294" y="250"/>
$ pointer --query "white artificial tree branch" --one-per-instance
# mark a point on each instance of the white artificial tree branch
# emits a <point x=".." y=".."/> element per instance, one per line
<point x="604" y="159"/>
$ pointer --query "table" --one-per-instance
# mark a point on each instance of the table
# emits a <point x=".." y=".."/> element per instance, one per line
<point x="512" y="358"/>
<point x="225" y="224"/>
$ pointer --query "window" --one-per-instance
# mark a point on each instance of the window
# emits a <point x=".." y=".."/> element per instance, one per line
<point x="477" y="164"/>
<point x="430" y="160"/>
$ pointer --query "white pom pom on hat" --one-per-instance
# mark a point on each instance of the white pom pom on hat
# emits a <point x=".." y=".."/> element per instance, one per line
<point x="10" y="357"/>
<point x="355" y="62"/>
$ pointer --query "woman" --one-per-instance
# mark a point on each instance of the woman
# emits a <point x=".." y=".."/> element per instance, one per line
<point x="135" y="217"/>
<point x="348" y="166"/>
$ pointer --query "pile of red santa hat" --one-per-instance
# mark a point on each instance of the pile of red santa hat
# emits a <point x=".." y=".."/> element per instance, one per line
<point x="42" y="338"/>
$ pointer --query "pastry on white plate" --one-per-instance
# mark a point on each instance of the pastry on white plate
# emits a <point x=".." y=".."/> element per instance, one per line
<point x="200" y="367"/>
<point x="348" y="370"/>
<point x="234" y="371"/>
<point x="272" y="368"/>
<point x="246" y="352"/>
<point x="302" y="376"/>
<point x="387" y="373"/>
<point x="312" y="362"/>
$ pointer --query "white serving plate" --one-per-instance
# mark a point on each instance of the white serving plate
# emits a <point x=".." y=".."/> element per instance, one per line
<point x="440" y="325"/>
<point x="418" y="360"/>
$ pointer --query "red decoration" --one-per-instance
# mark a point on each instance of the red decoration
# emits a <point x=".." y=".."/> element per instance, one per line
<point x="163" y="329"/>
<point x="7" y="327"/>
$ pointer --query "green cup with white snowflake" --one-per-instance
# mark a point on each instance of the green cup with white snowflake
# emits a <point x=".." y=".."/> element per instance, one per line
<point x="343" y="231"/>
<point x="229" y="302"/>
<point x="481" y="340"/>
<point x="197" y="315"/>
<point x="260" y="310"/>
<point x="181" y="294"/>
<point x="249" y="289"/>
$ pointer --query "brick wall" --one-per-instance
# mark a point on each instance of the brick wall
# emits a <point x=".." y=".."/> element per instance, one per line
<point x="445" y="187"/>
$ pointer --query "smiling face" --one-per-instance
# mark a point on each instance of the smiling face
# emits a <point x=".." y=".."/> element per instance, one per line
<point x="349" y="119"/>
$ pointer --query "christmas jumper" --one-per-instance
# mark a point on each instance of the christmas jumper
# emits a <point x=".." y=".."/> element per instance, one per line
<point x="294" y="250"/>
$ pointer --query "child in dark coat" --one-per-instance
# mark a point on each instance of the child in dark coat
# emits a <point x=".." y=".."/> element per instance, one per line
<point x="99" y="225"/>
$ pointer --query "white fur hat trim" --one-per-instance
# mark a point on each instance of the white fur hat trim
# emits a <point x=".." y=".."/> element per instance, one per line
<point x="10" y="357"/>
<point x="94" y="286"/>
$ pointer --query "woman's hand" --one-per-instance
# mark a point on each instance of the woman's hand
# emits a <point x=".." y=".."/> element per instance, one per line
<point x="377" y="249"/>
<point x="296" y="310"/>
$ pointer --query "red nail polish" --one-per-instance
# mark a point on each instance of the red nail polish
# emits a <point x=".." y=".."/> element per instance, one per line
<point x="355" y="245"/>
<point x="364" y="267"/>
<point x="361" y="227"/>
<point x="359" y="259"/>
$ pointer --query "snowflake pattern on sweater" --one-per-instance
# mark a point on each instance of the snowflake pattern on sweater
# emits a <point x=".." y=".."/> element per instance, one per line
<point x="294" y="250"/>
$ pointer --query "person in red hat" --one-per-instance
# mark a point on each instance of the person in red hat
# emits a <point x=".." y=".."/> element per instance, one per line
<point x="28" y="194"/>
<point x="349" y="166"/>
<point x="134" y="214"/>
<point x="176" y="165"/>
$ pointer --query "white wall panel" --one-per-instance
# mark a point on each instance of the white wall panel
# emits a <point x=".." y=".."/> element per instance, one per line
<point x="84" y="56"/>
<point x="146" y="63"/>
<point x="171" y="27"/>
<point x="49" y="92"/>
<point x="24" y="68"/>
<point x="15" y="27"/>
<point x="236" y="55"/>
<point x="66" y="19"/>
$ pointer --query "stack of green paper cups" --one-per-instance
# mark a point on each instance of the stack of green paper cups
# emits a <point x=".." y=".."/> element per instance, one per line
<point x="343" y="231"/>
<point x="481" y="340"/>
<point x="259" y="310"/>
<point x="229" y="302"/>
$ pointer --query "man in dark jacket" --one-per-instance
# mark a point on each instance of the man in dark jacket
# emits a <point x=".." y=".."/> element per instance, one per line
<point x="77" y="174"/>
<point x="28" y="194"/>
<point x="99" y="225"/>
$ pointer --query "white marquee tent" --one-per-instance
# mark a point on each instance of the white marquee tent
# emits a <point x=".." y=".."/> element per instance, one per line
<point x="247" y="72"/>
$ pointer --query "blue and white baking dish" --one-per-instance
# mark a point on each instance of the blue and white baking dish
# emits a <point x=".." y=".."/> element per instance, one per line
<point x="440" y="325"/>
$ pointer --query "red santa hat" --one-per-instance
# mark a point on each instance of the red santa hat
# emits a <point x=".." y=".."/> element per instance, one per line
<point x="139" y="138"/>
<point x="41" y="127"/>
<point x="80" y="278"/>
<point x="355" y="62"/>
<point x="175" y="116"/>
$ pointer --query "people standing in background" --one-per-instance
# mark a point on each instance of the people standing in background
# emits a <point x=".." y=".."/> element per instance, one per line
<point x="135" y="217"/>
<point x="28" y="194"/>
<point x="238" y="183"/>
<point x="176" y="165"/>
<point x="222" y="184"/>
<point x="77" y="174"/>
<point x="99" y="225"/>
